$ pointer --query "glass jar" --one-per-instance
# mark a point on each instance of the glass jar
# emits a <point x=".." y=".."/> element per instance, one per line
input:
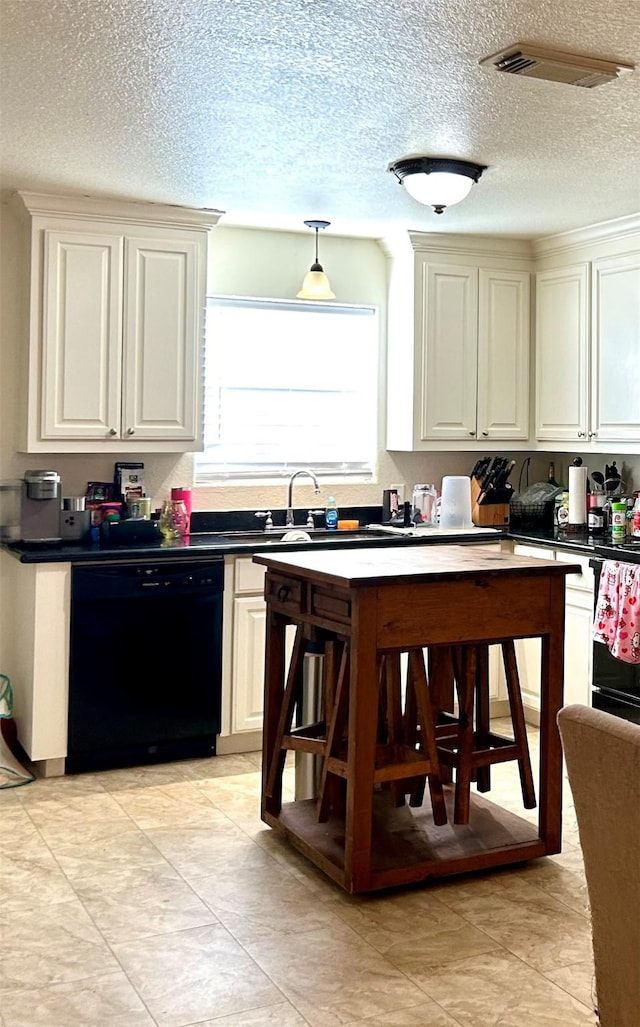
<point x="595" y="520"/>
<point x="424" y="497"/>
<point x="174" y="520"/>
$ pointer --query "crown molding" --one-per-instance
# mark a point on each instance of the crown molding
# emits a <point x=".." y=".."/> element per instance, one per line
<point x="465" y="245"/>
<point x="617" y="230"/>
<point x="44" y="205"/>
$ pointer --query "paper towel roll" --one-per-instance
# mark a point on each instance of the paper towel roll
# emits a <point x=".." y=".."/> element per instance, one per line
<point x="577" y="495"/>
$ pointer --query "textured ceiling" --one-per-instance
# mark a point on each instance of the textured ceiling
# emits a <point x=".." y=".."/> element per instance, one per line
<point x="279" y="110"/>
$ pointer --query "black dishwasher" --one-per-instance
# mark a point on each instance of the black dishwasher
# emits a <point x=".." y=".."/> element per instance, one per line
<point x="145" y="663"/>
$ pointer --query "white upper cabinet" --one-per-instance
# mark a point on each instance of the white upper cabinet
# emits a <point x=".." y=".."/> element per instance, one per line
<point x="162" y="338"/>
<point x="476" y="353"/>
<point x="562" y="354"/>
<point x="588" y="339"/>
<point x="81" y="335"/>
<point x="116" y="331"/>
<point x="468" y="369"/>
<point x="615" y="330"/>
<point x="449" y="351"/>
<point x="503" y="354"/>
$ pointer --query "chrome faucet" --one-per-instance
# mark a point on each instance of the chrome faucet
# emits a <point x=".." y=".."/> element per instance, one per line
<point x="289" y="519"/>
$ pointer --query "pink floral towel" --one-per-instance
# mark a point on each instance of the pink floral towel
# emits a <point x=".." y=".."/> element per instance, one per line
<point x="617" y="618"/>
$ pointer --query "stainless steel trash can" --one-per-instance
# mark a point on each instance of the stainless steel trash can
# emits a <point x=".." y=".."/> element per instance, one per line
<point x="309" y="711"/>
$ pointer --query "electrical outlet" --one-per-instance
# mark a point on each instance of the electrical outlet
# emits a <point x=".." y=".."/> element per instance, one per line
<point x="400" y="490"/>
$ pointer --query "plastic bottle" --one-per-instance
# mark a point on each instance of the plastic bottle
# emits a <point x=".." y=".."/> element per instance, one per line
<point x="331" y="515"/>
<point x="618" y="522"/>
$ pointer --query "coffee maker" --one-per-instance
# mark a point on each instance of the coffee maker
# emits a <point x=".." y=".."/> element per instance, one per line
<point x="40" y="507"/>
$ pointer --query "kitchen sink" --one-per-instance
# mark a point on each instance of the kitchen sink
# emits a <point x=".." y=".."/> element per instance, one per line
<point x="299" y="536"/>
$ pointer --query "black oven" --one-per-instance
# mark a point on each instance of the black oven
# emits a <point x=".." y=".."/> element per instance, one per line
<point x="615" y="684"/>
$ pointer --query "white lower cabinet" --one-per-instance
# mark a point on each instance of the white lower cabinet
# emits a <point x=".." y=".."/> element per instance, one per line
<point x="34" y="631"/>
<point x="577" y="636"/>
<point x="249" y="620"/>
<point x="243" y="648"/>
<point x="578" y="642"/>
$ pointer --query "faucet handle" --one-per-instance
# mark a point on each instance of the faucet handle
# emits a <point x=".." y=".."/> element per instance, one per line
<point x="310" y="516"/>
<point x="268" y="518"/>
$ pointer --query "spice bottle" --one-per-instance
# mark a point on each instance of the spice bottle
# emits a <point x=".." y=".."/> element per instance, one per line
<point x="618" y="522"/>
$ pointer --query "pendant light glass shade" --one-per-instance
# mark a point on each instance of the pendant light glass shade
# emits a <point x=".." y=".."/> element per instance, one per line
<point x="437" y="182"/>
<point x="316" y="285"/>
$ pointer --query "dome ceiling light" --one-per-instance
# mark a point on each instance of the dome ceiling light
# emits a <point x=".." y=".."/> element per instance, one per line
<point x="316" y="285"/>
<point x="437" y="182"/>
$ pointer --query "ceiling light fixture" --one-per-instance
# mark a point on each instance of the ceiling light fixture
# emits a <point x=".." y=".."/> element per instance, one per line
<point x="316" y="285"/>
<point x="438" y="182"/>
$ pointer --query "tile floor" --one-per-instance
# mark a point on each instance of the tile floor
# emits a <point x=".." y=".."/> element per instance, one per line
<point x="156" y="896"/>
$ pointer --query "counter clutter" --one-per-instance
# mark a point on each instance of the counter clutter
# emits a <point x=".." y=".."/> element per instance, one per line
<point x="230" y="541"/>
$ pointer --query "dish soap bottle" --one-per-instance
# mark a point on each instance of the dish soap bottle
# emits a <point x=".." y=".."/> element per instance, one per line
<point x="331" y="515"/>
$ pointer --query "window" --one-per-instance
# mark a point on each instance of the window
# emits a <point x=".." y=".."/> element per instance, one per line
<point x="288" y="385"/>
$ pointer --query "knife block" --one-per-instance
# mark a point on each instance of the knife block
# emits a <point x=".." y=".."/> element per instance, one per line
<point x="490" y="510"/>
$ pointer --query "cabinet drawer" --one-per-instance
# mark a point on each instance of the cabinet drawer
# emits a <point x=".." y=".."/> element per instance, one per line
<point x="539" y="552"/>
<point x="582" y="581"/>
<point x="248" y="576"/>
<point x="286" y="593"/>
<point x="331" y="604"/>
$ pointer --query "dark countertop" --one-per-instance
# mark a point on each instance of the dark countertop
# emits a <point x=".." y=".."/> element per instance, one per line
<point x="586" y="545"/>
<point x="219" y="544"/>
<point x="225" y="543"/>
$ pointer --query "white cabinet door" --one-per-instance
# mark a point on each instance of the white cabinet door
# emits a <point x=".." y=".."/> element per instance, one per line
<point x="162" y="337"/>
<point x="249" y="620"/>
<point x="578" y="635"/>
<point x="503" y="354"/>
<point x="82" y="336"/>
<point x="615" y="412"/>
<point x="448" y="304"/>
<point x="578" y="647"/>
<point x="529" y="650"/>
<point x="562" y="353"/>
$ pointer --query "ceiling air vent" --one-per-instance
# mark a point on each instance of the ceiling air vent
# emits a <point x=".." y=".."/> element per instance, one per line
<point x="533" y="61"/>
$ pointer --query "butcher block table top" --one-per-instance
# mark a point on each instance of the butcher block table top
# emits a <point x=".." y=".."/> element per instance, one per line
<point x="383" y="600"/>
<point x="356" y="567"/>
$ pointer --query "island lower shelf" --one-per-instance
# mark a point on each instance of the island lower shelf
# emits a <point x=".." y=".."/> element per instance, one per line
<point x="406" y="845"/>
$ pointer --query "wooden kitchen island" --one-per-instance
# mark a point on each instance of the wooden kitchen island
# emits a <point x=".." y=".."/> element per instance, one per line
<point x="376" y="602"/>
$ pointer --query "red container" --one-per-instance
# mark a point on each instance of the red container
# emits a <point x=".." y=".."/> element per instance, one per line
<point x="185" y="495"/>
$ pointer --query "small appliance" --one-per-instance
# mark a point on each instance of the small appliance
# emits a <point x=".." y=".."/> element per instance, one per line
<point x="40" y="507"/>
<point x="75" y="519"/>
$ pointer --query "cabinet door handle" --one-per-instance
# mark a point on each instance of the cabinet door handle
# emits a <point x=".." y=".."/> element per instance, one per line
<point x="130" y="431"/>
<point x="581" y="434"/>
<point x="112" y="431"/>
<point x="471" y="433"/>
<point x="593" y="435"/>
<point x="485" y="433"/>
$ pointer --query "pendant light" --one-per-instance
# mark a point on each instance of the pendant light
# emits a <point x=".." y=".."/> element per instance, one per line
<point x="316" y="285"/>
<point x="438" y="182"/>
